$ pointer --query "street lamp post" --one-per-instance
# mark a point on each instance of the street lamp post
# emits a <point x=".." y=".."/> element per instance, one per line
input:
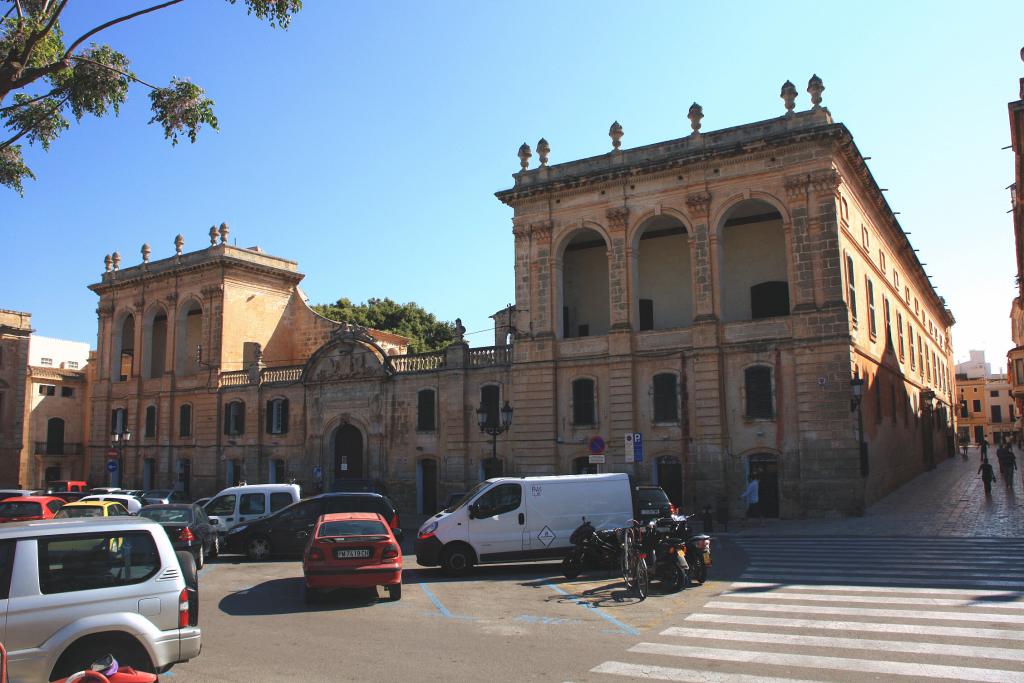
<point x="494" y="428"/>
<point x="857" y="394"/>
<point x="927" y="397"/>
<point x="118" y="441"/>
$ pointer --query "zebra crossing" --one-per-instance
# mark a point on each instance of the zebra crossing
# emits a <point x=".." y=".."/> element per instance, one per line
<point x="849" y="609"/>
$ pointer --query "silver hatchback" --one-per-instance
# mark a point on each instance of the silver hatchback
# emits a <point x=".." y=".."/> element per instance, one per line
<point x="74" y="590"/>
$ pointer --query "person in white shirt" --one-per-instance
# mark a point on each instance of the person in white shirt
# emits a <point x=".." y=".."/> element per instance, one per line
<point x="751" y="497"/>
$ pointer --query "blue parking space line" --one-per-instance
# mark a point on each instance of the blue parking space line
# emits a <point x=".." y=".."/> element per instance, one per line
<point x="625" y="628"/>
<point x="437" y="603"/>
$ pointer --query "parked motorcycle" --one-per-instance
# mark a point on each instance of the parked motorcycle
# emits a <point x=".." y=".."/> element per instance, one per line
<point x="664" y="551"/>
<point x="698" y="548"/>
<point x="592" y="549"/>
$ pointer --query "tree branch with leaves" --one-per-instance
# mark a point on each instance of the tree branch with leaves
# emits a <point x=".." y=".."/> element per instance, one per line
<point x="43" y="78"/>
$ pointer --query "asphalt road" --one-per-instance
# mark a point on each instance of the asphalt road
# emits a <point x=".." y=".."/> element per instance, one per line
<point x="507" y="622"/>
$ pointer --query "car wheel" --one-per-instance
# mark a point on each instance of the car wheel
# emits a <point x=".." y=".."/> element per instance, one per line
<point x="395" y="592"/>
<point x="188" y="568"/>
<point x="258" y="548"/>
<point x="457" y="560"/>
<point x="200" y="557"/>
<point x="80" y="656"/>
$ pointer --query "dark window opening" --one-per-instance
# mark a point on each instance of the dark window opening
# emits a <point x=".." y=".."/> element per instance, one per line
<point x="425" y="411"/>
<point x="758" y="383"/>
<point x="277" y="416"/>
<point x="646" y="314"/>
<point x="185" y="420"/>
<point x="666" y="398"/>
<point x="583" y="412"/>
<point x="67" y="392"/>
<point x="583" y="331"/>
<point x="118" y="420"/>
<point x="769" y="299"/>
<point x="489" y="396"/>
<point x="234" y="419"/>
<point x="150" y="421"/>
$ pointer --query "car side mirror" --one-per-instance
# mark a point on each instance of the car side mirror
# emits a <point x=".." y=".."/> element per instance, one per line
<point x="399" y="535"/>
<point x="474" y="511"/>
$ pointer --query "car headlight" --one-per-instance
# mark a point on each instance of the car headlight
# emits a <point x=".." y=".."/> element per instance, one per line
<point x="238" y="529"/>
<point x="428" y="529"/>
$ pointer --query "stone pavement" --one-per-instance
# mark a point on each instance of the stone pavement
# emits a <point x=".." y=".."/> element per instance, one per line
<point x="947" y="501"/>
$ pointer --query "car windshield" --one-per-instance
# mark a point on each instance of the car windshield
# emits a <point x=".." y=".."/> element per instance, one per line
<point x="352" y="527"/>
<point x="652" y="498"/>
<point x="469" y="496"/>
<point x="170" y="515"/>
<point x="80" y="511"/>
<point x="20" y="509"/>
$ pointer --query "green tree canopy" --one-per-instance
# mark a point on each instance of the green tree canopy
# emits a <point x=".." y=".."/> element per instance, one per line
<point x="49" y="78"/>
<point x="409" y="320"/>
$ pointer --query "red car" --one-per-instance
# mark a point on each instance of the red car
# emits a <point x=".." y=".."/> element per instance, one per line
<point x="24" y="508"/>
<point x="352" y="550"/>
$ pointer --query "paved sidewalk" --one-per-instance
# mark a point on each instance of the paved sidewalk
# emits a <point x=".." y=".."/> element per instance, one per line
<point x="947" y="501"/>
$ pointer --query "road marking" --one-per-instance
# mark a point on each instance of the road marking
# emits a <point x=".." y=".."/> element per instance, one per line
<point x="626" y="628"/>
<point x="765" y="638"/>
<point x="886" y="581"/>
<point x="870" y="612"/>
<point x="875" y="599"/>
<point x="437" y="603"/>
<point x="665" y="673"/>
<point x="869" y="627"/>
<point x="870" y="589"/>
<point x="861" y="666"/>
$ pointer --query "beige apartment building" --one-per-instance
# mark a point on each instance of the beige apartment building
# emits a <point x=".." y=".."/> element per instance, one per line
<point x="987" y="408"/>
<point x="744" y="299"/>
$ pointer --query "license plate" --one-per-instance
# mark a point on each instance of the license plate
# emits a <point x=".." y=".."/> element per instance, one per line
<point x="648" y="512"/>
<point x="342" y="553"/>
<point x="707" y="558"/>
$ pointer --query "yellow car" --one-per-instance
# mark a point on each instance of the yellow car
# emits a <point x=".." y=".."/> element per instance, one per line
<point x="92" y="508"/>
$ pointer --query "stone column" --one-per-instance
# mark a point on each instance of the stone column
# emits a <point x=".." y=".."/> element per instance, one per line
<point x="823" y="198"/>
<point x="618" y="272"/>
<point x="542" y="285"/>
<point x="800" y="246"/>
<point x="702" y="247"/>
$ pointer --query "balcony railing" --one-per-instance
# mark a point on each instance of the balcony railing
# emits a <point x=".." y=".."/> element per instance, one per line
<point x="67" y="449"/>
<point x="418" y="362"/>
<point x="285" y="374"/>
<point x="235" y="378"/>
<point x="490" y="355"/>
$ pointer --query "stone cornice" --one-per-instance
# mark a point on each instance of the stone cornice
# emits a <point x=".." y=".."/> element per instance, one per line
<point x="134" y="276"/>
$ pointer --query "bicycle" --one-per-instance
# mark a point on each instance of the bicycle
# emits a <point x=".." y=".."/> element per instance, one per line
<point x="634" y="564"/>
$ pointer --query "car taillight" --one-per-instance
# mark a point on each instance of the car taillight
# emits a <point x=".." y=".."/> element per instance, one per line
<point x="395" y="522"/>
<point x="673" y="509"/>
<point x="315" y="554"/>
<point x="183" y="608"/>
<point x="390" y="552"/>
<point x="186" y="535"/>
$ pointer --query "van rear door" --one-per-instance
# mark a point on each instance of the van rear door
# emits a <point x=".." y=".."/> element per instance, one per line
<point x="498" y="523"/>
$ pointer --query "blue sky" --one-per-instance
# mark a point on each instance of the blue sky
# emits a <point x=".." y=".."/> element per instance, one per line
<point x="366" y="142"/>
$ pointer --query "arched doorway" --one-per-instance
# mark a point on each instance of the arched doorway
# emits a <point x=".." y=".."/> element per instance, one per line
<point x="583" y="466"/>
<point x="670" y="478"/>
<point x="765" y="466"/>
<point x="348" y="453"/>
<point x="426" y="484"/>
<point x="754" y="265"/>
<point x="584" y="285"/>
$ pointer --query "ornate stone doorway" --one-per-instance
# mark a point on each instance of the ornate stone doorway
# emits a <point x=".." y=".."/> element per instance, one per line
<point x="348" y="453"/>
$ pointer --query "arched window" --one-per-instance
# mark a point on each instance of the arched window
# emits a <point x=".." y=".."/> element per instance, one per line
<point x="664" y="288"/>
<point x="757" y="381"/>
<point x="188" y="338"/>
<point x="753" y="256"/>
<point x="122" y="351"/>
<point x="277" y="416"/>
<point x="584" y="286"/>
<point x="234" y="418"/>
<point x="666" y="398"/>
<point x="425" y="411"/>
<point x="118" y="420"/>
<point x="155" y="343"/>
<point x="584" y="402"/>
<point x="185" y="420"/>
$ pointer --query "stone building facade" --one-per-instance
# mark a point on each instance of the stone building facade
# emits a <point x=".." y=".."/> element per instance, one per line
<point x="1015" y="356"/>
<point x="714" y="293"/>
<point x="987" y="408"/>
<point x="15" y="332"/>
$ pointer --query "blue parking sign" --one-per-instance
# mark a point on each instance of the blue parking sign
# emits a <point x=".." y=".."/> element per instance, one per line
<point x="638" y="447"/>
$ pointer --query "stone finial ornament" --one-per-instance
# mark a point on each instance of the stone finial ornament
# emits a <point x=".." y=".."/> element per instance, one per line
<point x="543" y="149"/>
<point x="106" y="263"/>
<point x="460" y="330"/>
<point x="213" y="235"/>
<point x="788" y="96"/>
<point x="179" y="242"/>
<point x="146" y="251"/>
<point x="615" y="132"/>
<point x="116" y="260"/>
<point x="224" y="230"/>
<point x="695" y="114"/>
<point x="524" y="156"/>
<point x="815" y="87"/>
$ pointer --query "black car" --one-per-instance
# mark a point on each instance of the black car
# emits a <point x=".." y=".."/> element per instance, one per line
<point x="188" y="527"/>
<point x="286" y="531"/>
<point x="650" y="502"/>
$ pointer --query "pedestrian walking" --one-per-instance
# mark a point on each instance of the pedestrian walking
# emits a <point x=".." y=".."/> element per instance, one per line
<point x="752" y="497"/>
<point x="988" y="475"/>
<point x="984" y="449"/>
<point x="1008" y="466"/>
<point x="963" y="449"/>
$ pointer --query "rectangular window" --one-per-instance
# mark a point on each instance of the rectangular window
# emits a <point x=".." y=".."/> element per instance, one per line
<point x="47" y="390"/>
<point x="865" y="238"/>
<point x="646" y="314"/>
<point x="906" y="295"/>
<point x="976" y="406"/>
<point x="489" y="398"/>
<point x="851" y="289"/>
<point x="913" y="356"/>
<point x="899" y="327"/>
<point x="997" y="413"/>
<point x="1018" y="366"/>
<point x="881" y="261"/>
<point x="46" y="361"/>
<point x="920" y="356"/>
<point x="234" y="418"/>
<point x="67" y="392"/>
<point x="994" y="394"/>
<point x="425" y="411"/>
<point x="277" y="416"/>
<point x="185" y="420"/>
<point x="872" y="325"/>
<point x="666" y="402"/>
<point x="888" y="320"/>
<point x="118" y="421"/>
<point x="95" y="561"/>
<point x="583" y="409"/>
<point x="758" y="390"/>
<point x="150" y="421"/>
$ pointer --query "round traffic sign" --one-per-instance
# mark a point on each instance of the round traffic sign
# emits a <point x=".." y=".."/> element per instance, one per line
<point x="112" y="453"/>
<point x="596" y="445"/>
<point x="111" y="466"/>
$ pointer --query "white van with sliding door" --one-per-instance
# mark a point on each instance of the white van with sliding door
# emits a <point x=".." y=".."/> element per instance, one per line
<point x="516" y="519"/>
<point x="241" y="504"/>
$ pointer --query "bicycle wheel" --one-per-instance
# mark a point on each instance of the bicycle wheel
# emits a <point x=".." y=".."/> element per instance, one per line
<point x="643" y="580"/>
<point x="628" y="565"/>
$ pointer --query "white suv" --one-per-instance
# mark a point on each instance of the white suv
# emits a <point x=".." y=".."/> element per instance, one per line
<point x="74" y="590"/>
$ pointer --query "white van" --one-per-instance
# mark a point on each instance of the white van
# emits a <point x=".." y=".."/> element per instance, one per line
<point x="240" y="504"/>
<point x="516" y="519"/>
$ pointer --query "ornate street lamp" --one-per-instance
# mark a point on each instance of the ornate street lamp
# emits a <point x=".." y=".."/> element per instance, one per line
<point x="856" y="396"/>
<point x="483" y="418"/>
<point x="119" y="441"/>
<point x="927" y="413"/>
